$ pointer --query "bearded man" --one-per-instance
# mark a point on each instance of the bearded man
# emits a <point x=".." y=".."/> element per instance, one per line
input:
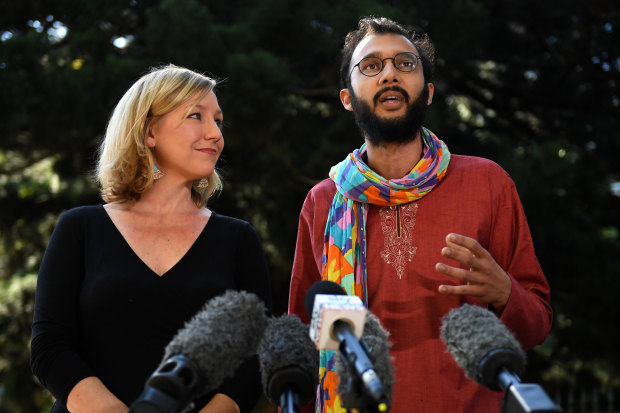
<point x="414" y="230"/>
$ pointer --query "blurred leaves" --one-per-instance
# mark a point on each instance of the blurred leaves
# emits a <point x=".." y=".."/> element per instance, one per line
<point x="19" y="392"/>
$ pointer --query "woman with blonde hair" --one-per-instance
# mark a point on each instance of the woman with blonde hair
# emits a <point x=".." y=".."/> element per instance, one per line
<point x="118" y="280"/>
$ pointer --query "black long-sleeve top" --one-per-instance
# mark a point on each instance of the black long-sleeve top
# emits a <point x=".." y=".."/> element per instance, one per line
<point x="101" y="311"/>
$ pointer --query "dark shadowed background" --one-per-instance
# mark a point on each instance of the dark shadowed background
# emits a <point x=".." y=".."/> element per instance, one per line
<point x="532" y="85"/>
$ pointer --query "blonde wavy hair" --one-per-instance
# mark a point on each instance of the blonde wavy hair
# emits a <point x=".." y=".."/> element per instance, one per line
<point x="125" y="164"/>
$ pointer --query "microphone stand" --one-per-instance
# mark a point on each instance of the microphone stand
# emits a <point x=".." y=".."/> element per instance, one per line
<point x="289" y="402"/>
<point x="367" y="383"/>
<point x="523" y="397"/>
<point x="350" y="348"/>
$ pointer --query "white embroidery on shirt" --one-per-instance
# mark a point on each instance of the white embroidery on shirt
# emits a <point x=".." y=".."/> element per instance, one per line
<point x="397" y="223"/>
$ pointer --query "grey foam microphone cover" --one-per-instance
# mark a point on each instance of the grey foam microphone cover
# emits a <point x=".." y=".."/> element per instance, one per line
<point x="376" y="338"/>
<point x="481" y="344"/>
<point x="221" y="336"/>
<point x="288" y="359"/>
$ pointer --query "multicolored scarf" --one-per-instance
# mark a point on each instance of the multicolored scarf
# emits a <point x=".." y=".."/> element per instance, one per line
<point x="344" y="253"/>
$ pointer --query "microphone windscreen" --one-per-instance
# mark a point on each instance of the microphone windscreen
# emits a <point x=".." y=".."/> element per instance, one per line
<point x="350" y="388"/>
<point x="288" y="359"/>
<point x="221" y="336"/>
<point x="481" y="344"/>
<point x="321" y="287"/>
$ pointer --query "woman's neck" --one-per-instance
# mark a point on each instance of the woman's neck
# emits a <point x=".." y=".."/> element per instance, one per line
<point x="166" y="198"/>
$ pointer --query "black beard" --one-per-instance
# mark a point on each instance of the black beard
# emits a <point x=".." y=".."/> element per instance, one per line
<point x="378" y="130"/>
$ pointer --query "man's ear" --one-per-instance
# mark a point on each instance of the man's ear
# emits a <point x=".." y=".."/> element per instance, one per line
<point x="431" y="90"/>
<point x="345" y="98"/>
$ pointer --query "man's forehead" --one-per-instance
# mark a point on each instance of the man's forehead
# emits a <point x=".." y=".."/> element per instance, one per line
<point x="387" y="44"/>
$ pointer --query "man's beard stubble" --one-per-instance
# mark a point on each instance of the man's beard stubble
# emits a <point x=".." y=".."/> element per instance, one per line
<point x="379" y="130"/>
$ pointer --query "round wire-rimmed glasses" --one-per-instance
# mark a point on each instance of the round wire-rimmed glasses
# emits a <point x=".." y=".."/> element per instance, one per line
<point x="371" y="66"/>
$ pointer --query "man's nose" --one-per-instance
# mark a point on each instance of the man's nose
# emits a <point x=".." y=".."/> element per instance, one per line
<point x="389" y="74"/>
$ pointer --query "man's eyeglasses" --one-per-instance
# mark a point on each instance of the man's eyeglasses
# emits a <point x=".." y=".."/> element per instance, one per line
<point x="372" y="66"/>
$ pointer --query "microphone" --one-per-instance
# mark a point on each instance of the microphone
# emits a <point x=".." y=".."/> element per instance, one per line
<point x="490" y="355"/>
<point x="337" y="324"/>
<point x="289" y="363"/>
<point x="375" y="340"/>
<point x="206" y="351"/>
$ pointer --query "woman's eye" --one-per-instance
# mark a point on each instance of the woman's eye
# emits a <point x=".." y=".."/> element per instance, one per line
<point x="219" y="123"/>
<point x="195" y="116"/>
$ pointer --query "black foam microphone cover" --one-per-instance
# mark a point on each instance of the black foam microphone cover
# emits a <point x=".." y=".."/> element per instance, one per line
<point x="481" y="344"/>
<point x="321" y="287"/>
<point x="289" y="360"/>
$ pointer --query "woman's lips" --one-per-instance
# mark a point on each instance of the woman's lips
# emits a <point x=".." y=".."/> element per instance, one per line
<point x="209" y="151"/>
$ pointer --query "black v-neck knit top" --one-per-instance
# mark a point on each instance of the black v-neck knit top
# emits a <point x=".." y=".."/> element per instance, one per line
<point x="101" y="311"/>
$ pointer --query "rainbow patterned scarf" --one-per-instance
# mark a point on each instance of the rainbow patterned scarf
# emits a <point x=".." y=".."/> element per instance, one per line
<point x="344" y="253"/>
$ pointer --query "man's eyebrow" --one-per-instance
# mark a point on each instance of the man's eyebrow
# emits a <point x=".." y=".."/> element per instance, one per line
<point x="372" y="54"/>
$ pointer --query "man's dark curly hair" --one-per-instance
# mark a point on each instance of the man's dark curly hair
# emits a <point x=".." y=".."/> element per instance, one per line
<point x="382" y="25"/>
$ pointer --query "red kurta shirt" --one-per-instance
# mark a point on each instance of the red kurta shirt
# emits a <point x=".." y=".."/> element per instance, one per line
<point x="477" y="199"/>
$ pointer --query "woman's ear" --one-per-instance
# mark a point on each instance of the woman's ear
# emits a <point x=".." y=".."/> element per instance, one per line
<point x="150" y="137"/>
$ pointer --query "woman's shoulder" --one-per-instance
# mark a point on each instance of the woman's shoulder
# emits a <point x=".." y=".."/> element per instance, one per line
<point x="85" y="210"/>
<point x="228" y="223"/>
<point x="81" y="213"/>
<point x="75" y="222"/>
<point x="231" y="229"/>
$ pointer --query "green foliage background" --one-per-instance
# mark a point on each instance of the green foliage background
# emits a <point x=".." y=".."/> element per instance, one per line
<point x="532" y="85"/>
